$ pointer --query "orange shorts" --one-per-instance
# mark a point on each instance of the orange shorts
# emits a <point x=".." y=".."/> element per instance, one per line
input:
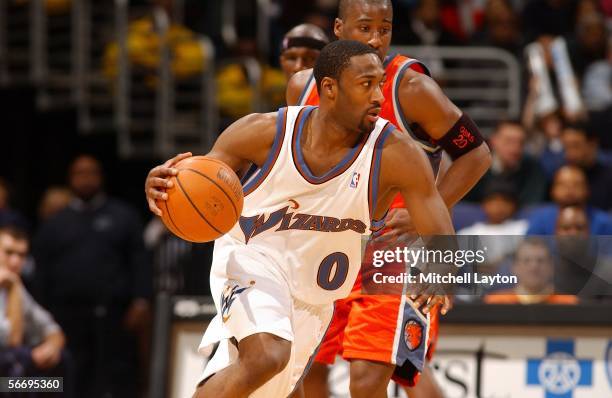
<point x="383" y="328"/>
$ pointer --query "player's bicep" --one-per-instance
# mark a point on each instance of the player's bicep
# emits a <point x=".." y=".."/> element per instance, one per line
<point x="407" y="169"/>
<point x="423" y="102"/>
<point x="246" y="141"/>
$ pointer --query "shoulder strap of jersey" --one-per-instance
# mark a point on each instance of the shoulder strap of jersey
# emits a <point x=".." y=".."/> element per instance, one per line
<point x="397" y="68"/>
<point x="307" y="92"/>
<point x="257" y="177"/>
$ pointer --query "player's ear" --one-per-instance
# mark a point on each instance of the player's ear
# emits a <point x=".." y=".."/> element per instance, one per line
<point x="328" y="87"/>
<point x="338" y="26"/>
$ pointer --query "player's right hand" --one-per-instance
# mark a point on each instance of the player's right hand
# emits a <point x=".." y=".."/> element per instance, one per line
<point x="158" y="180"/>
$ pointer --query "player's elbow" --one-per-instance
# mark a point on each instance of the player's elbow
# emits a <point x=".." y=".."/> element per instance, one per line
<point x="483" y="157"/>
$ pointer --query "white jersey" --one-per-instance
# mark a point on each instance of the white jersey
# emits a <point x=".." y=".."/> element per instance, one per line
<point x="308" y="226"/>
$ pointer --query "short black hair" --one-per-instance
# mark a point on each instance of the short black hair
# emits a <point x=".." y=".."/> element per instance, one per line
<point x="336" y="56"/>
<point x="344" y="5"/>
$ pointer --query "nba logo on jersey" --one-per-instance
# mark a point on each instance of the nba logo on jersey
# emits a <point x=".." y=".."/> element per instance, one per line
<point x="354" y="180"/>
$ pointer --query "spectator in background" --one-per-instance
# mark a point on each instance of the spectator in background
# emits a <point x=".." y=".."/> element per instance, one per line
<point x="570" y="188"/>
<point x="581" y="146"/>
<point x="583" y="261"/>
<point x="9" y="216"/>
<point x="462" y="17"/>
<point x="94" y="275"/>
<point x="423" y="27"/>
<point x="533" y="266"/>
<point x="512" y="165"/>
<point x="499" y="204"/>
<point x="547" y="18"/>
<point x="597" y="86"/>
<point x="53" y="201"/>
<point x="588" y="44"/>
<point x="501" y="28"/>
<point x="300" y="48"/>
<point x="572" y="221"/>
<point x="31" y="343"/>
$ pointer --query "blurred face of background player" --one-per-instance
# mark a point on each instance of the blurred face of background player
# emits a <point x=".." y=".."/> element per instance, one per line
<point x="357" y="95"/>
<point x="533" y="266"/>
<point x="86" y="177"/>
<point x="572" y="221"/>
<point x="570" y="187"/>
<point x="295" y="59"/>
<point x="301" y="48"/>
<point x="508" y="145"/>
<point x="369" y="22"/>
<point x="13" y="252"/>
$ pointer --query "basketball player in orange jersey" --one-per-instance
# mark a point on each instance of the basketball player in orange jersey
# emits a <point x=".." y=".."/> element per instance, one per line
<point x="300" y="48"/>
<point x="415" y="104"/>
<point x="276" y="274"/>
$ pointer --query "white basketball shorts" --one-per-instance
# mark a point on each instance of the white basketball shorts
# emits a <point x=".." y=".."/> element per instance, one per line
<point x="252" y="296"/>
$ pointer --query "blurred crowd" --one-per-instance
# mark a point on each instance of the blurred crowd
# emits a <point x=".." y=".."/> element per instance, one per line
<point x="77" y="281"/>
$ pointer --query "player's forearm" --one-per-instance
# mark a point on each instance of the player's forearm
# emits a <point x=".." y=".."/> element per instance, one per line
<point x="14" y="313"/>
<point x="430" y="216"/>
<point x="463" y="174"/>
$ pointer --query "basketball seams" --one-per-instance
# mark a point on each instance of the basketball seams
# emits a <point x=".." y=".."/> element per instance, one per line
<point x="172" y="221"/>
<point x="218" y="186"/>
<point x="195" y="207"/>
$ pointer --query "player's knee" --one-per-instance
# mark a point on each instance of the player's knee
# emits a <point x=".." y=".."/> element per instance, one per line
<point x="367" y="378"/>
<point x="268" y="361"/>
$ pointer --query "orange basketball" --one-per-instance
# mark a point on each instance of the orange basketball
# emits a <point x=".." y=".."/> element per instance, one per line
<point x="205" y="200"/>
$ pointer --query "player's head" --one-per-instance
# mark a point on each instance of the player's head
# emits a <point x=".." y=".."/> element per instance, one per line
<point x="570" y="187"/>
<point x="533" y="266"/>
<point x="572" y="221"/>
<point x="367" y="21"/>
<point x="14" y="246"/>
<point x="85" y="177"/>
<point x="301" y="47"/>
<point x="349" y="76"/>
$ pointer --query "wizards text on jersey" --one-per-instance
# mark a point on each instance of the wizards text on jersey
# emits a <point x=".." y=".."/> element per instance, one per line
<point x="285" y="220"/>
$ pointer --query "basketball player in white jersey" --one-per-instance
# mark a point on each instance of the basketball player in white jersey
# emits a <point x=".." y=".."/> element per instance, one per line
<point x="326" y="175"/>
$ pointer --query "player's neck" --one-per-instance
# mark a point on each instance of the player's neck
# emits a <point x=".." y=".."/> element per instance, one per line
<point x="322" y="131"/>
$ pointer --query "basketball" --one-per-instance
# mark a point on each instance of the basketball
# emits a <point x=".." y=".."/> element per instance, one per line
<point x="205" y="200"/>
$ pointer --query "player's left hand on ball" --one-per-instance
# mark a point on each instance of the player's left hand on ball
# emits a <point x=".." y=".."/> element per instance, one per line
<point x="158" y="180"/>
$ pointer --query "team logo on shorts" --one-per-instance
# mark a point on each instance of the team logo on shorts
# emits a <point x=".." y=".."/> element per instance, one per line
<point x="228" y="296"/>
<point x="355" y="180"/>
<point x="413" y="334"/>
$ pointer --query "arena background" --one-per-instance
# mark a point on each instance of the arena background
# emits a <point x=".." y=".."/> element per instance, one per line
<point x="134" y="82"/>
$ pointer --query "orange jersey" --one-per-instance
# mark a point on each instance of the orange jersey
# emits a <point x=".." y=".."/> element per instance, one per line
<point x="395" y="68"/>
